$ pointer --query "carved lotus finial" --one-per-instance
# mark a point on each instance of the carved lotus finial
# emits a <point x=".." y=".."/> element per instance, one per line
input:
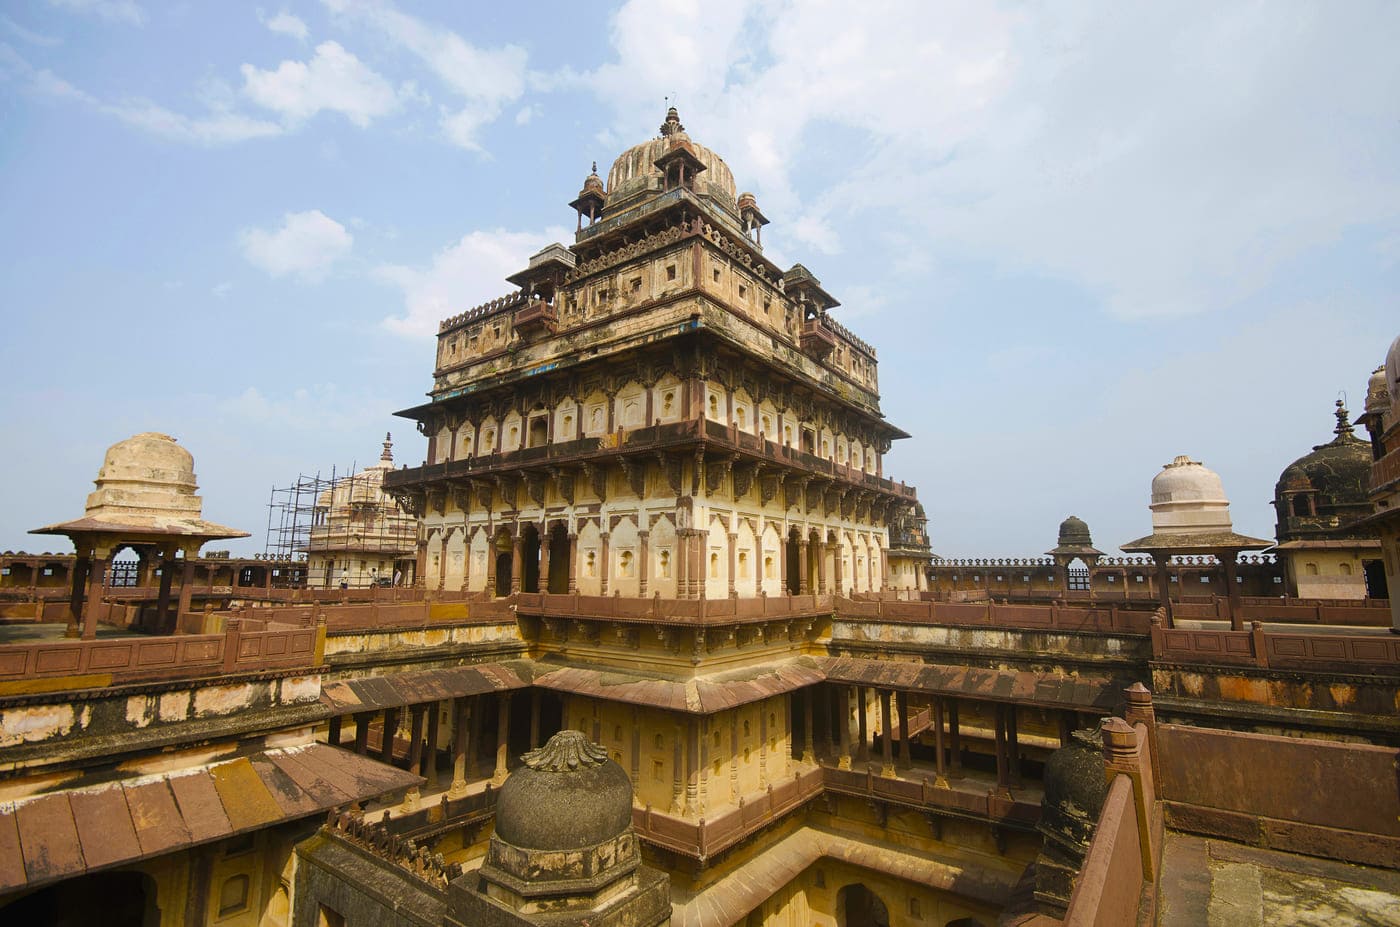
<point x="566" y="751"/>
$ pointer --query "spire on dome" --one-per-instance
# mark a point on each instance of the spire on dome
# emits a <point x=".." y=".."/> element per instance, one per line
<point x="672" y="125"/>
<point x="1343" y="429"/>
<point x="388" y="453"/>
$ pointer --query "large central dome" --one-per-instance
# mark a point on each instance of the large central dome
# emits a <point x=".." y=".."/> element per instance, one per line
<point x="635" y="173"/>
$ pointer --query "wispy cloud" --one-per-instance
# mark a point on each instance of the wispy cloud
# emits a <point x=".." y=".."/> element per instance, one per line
<point x="306" y="245"/>
<point x="29" y="35"/>
<point x="112" y="11"/>
<point x="285" y="23"/>
<point x="484" y="80"/>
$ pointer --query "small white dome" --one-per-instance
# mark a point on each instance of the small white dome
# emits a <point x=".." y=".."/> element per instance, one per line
<point x="147" y="475"/>
<point x="1189" y="497"/>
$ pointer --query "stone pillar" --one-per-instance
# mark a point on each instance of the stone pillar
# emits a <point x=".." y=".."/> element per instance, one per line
<point x="809" y="754"/>
<point x="362" y="720"/>
<point x="167" y="577"/>
<point x="474" y="720"/>
<point x="431" y="749"/>
<point x="692" y="774"/>
<point x="905" y="759"/>
<point x="573" y="564"/>
<point x="186" y="588"/>
<point x="820" y="552"/>
<point x="82" y="565"/>
<point x="1140" y="711"/>
<point x="836" y="567"/>
<point x="92" y="603"/>
<point x="1013" y="747"/>
<point x="386" y="743"/>
<point x="682" y="563"/>
<point x="542" y="584"/>
<point x="941" y="759"/>
<point x="733" y="538"/>
<point x="677" y="774"/>
<point x="604" y="563"/>
<point x="415" y="738"/>
<point x="843" y="761"/>
<point x="461" y="711"/>
<point x="517" y="560"/>
<point x="804" y="583"/>
<point x="502" y="738"/>
<point x="643" y="549"/>
<point x="954" y="739"/>
<point x="1003" y="771"/>
<point x="888" y="730"/>
<point x="1232" y="588"/>
<point x="862" y="725"/>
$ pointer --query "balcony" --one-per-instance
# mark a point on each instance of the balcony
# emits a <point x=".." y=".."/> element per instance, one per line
<point x="537" y="318"/>
<point x="1386" y="471"/>
<point x="817" y="340"/>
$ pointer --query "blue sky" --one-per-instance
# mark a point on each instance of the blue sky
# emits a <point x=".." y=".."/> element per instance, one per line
<point x="1084" y="238"/>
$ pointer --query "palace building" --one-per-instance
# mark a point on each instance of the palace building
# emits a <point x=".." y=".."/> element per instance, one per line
<point x="672" y="648"/>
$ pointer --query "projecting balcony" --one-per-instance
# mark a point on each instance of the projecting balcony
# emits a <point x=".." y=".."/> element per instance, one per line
<point x="1386" y="471"/>
<point x="537" y="318"/>
<point x="817" y="340"/>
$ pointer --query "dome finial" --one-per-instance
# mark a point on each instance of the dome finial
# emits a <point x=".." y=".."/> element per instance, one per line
<point x="387" y="455"/>
<point x="595" y="167"/>
<point x="1343" y="429"/>
<point x="672" y="125"/>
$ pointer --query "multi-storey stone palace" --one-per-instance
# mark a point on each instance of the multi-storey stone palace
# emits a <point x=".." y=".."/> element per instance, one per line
<point x="661" y="643"/>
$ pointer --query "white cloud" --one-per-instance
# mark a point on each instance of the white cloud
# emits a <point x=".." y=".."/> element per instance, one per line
<point x="321" y="408"/>
<point x="485" y="79"/>
<point x="285" y="23"/>
<point x="306" y="245"/>
<point x="113" y="11"/>
<point x="461" y="276"/>
<point x="1166" y="163"/>
<point x="334" y="79"/>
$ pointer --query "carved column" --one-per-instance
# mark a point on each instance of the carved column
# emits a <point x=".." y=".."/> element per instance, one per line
<point x="732" y="539"/>
<point x="809" y="753"/>
<point x="502" y="738"/>
<point x="677" y="773"/>
<point x="804" y="584"/>
<point x="167" y="576"/>
<point x="542" y="584"/>
<point x="573" y="564"/>
<point x="863" y="749"/>
<point x="386" y="743"/>
<point x="820" y="553"/>
<point x="643" y="549"/>
<point x="82" y="565"/>
<point x="682" y="563"/>
<point x="415" y="738"/>
<point x="431" y="748"/>
<point x="186" y="585"/>
<point x="92" y="602"/>
<point x="888" y="730"/>
<point x="517" y="560"/>
<point x="604" y="563"/>
<point x="836" y="567"/>
<point x="362" y="732"/>
<point x="844" y="760"/>
<point x="461" y="713"/>
<point x="692" y="774"/>
<point x="954" y="739"/>
<point x="905" y="760"/>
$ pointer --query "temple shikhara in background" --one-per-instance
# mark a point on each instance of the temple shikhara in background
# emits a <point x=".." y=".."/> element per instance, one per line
<point x="650" y="636"/>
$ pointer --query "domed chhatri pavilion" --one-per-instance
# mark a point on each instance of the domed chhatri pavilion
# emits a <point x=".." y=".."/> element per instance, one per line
<point x="1191" y="516"/>
<point x="145" y="499"/>
<point x="1074" y="543"/>
<point x="1319" y="499"/>
<point x="563" y="851"/>
<point x="1382" y="421"/>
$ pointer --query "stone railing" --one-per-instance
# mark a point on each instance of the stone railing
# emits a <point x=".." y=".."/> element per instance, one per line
<point x="1385" y="471"/>
<point x="986" y="614"/>
<point x="353" y="617"/>
<point x="710" y="835"/>
<point x="1333" y="653"/>
<point x="656" y="610"/>
<point x="1374" y="613"/>
<point x="113" y="661"/>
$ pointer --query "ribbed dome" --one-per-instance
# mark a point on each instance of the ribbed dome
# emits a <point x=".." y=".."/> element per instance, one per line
<point x="147" y="475"/>
<point x="1377" y="392"/>
<point x="567" y="796"/>
<point x="1073" y="530"/>
<point x="1392" y="371"/>
<point x="635" y="170"/>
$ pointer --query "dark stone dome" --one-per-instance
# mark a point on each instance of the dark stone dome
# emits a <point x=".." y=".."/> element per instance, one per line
<point x="1335" y="477"/>
<point x="1073" y="531"/>
<point x="567" y="796"/>
<point x="1075" y="784"/>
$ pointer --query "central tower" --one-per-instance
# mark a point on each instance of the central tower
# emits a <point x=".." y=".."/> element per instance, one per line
<point x="657" y="410"/>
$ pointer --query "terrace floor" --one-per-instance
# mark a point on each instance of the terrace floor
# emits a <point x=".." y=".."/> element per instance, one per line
<point x="1215" y="883"/>
<point x="52" y="631"/>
